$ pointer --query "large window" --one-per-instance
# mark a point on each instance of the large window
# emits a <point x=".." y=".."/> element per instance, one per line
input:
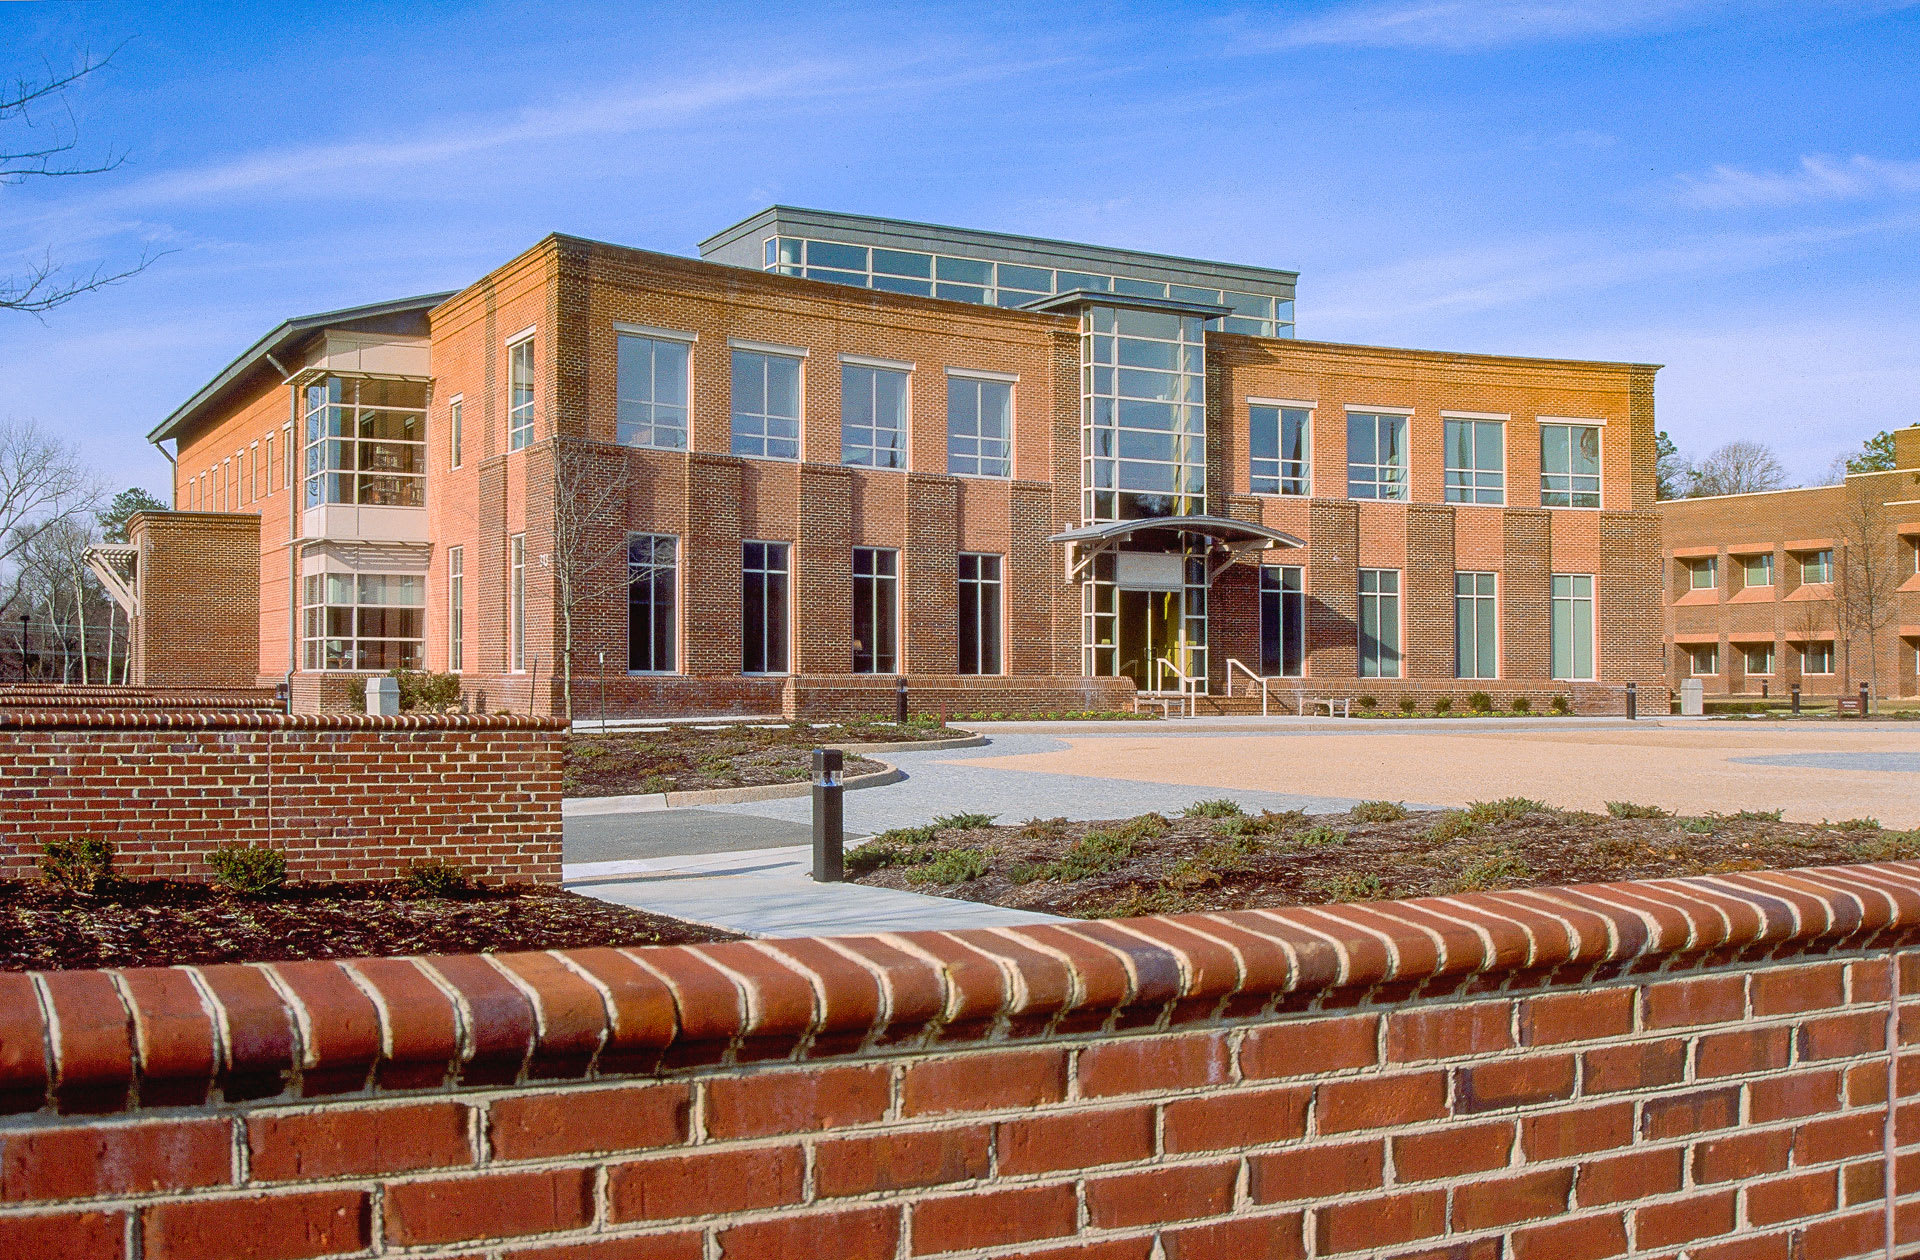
<point x="1570" y="465"/>
<point x="1816" y="658"/>
<point x="456" y="609"/>
<point x="873" y="416"/>
<point x="517" y="603"/>
<point x="1279" y="446"/>
<point x="1283" y="621"/>
<point x="1475" y="627"/>
<point x="1703" y="574"/>
<point x="1379" y="623"/>
<point x="1816" y="567"/>
<point x="364" y="621"/>
<point x="1757" y="570"/>
<point x="652" y="618"/>
<point x="1704" y="661"/>
<point x="1758" y="660"/>
<point x="1143" y="396"/>
<point x="520" y="394"/>
<point x="454" y="434"/>
<point x="979" y="426"/>
<point x="1376" y="456"/>
<point x="1572" y="630"/>
<point x="979" y="614"/>
<point x="1476" y="461"/>
<point x="763" y="608"/>
<point x="876" y="610"/>
<point x="366" y="442"/>
<point x="650" y="392"/>
<point x="766" y="405"/>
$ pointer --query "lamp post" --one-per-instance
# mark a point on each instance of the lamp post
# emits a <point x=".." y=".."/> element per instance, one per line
<point x="603" y="691"/>
<point x="829" y="818"/>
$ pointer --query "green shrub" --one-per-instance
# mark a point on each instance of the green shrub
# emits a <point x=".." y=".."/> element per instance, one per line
<point x="963" y="822"/>
<point x="437" y="878"/>
<point x="1443" y="704"/>
<point x="1215" y="807"/>
<point x="1698" y="826"/>
<point x="1143" y="827"/>
<point x="1095" y="853"/>
<point x="1856" y="824"/>
<point x="1349" y="886"/>
<point x="1480" y="702"/>
<point x="1492" y="870"/>
<point x="248" y="869"/>
<point x="1408" y="706"/>
<point x="1379" y="811"/>
<point x="1506" y="809"/>
<point x="1560" y="705"/>
<point x="902" y="846"/>
<point x="81" y="867"/>
<point x="1758" y="815"/>
<point x="424" y="690"/>
<point x="1367" y="702"/>
<point x="954" y="866"/>
<point x="1318" y="837"/>
<point x="1043" y="829"/>
<point x="1452" y="825"/>
<point x="1627" y="809"/>
<point x="1522" y="705"/>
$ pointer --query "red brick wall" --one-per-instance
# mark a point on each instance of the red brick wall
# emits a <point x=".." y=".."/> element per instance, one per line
<point x="343" y="798"/>
<point x="200" y="588"/>
<point x="1615" y="1070"/>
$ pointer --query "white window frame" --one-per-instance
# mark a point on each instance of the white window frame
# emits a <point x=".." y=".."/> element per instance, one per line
<point x="1592" y="601"/>
<point x="288" y="457"/>
<point x="267" y="452"/>
<point x="786" y="550"/>
<point x="1281" y="462"/>
<point x="1012" y="381"/>
<point x="1765" y="559"/>
<point x="1708" y="565"/>
<point x="456" y="610"/>
<point x="520" y="435"/>
<point x="1746" y="661"/>
<point x="1826" y="568"/>
<point x="1405" y="416"/>
<point x="1541" y="425"/>
<point x="1712" y="652"/>
<point x="517" y="604"/>
<point x="456" y="417"/>
<point x="1398" y="596"/>
<point x="679" y="551"/>
<point x="1827" y="645"/>
<point x="1493" y="602"/>
<point x="736" y="347"/>
<point x="646" y="332"/>
<point x="904" y="450"/>
<point x="999" y="622"/>
<point x="1448" y="471"/>
<point x="313" y="645"/>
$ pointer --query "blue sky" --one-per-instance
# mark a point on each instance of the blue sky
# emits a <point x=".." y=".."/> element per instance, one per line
<point x="1731" y="189"/>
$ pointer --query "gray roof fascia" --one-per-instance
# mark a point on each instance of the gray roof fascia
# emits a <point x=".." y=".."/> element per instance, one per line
<point x="1074" y="299"/>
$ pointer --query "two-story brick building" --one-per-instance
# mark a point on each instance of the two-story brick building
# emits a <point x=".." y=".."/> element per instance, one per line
<point x="840" y="451"/>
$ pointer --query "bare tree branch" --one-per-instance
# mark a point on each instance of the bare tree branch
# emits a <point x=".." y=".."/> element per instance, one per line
<point x="589" y="559"/>
<point x="43" y="485"/>
<point x="1869" y="577"/>
<point x="1742" y="466"/>
<point x="16" y="101"/>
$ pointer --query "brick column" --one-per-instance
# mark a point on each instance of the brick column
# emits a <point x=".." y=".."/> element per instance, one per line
<point x="1627" y="598"/>
<point x="1333" y="589"/>
<point x="1429" y="598"/>
<point x="823" y="571"/>
<point x="1036" y="642"/>
<point x="1526" y="596"/>
<point x="710" y="566"/>
<point x="929" y="593"/>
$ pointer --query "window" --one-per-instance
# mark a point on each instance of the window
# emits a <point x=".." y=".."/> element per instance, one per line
<point x="876" y="610"/>
<point x="454" y="408"/>
<point x="1704" y="661"/>
<point x="255" y="481"/>
<point x="365" y="621"/>
<point x="763" y="608"/>
<point x="1143" y="414"/>
<point x="873" y="416"/>
<point x="517" y="603"/>
<point x="1283" y="621"/>
<point x="766" y="405"/>
<point x="1703" y="575"/>
<point x="1758" y="660"/>
<point x="286" y="459"/>
<point x="1757" y="571"/>
<point x="1475" y="640"/>
<point x="979" y="614"/>
<point x="1379" y="623"/>
<point x="1816" y="658"/>
<point x="1816" y="566"/>
<point x="650" y="392"/>
<point x="1376" y="456"/>
<point x="1476" y="463"/>
<point x="1278" y="447"/>
<point x="266" y="460"/>
<point x="520" y="394"/>
<point x="456" y="609"/>
<point x="366" y="443"/>
<point x="228" y="493"/>
<point x="1572" y="631"/>
<point x="1570" y="465"/>
<point x="979" y="427"/>
<point x="652" y="616"/>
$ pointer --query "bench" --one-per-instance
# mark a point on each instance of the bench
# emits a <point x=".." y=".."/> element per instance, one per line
<point x="1343" y="705"/>
<point x="1169" y="706"/>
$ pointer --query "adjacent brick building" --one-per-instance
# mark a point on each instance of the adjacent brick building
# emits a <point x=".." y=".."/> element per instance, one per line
<point x="1817" y="587"/>
<point x="842" y="449"/>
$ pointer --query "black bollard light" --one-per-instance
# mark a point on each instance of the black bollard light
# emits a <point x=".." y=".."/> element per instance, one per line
<point x="900" y="701"/>
<point x="829" y="820"/>
<point x="1633" y="701"/>
<point x="1863" y="699"/>
<point x="1796" y="699"/>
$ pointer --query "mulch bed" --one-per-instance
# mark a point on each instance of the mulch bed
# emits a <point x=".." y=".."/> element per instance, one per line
<point x="152" y="923"/>
<point x="685" y="758"/>
<point x="1229" y="861"/>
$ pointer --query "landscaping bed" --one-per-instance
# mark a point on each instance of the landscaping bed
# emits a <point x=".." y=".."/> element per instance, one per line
<point x="152" y="923"/>
<point x="687" y="758"/>
<point x="1217" y="858"/>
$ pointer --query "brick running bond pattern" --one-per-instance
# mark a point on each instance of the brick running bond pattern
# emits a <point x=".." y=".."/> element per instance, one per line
<point x="344" y="798"/>
<point x="1610" y="1070"/>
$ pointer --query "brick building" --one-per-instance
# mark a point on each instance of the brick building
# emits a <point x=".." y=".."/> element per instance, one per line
<point x="837" y="451"/>
<point x="1816" y="587"/>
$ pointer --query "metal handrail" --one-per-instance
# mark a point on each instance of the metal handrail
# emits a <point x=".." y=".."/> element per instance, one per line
<point x="1265" y="683"/>
<point x="1186" y="683"/>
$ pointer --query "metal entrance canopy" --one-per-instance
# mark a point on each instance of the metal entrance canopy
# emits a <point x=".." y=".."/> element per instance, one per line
<point x="1227" y="540"/>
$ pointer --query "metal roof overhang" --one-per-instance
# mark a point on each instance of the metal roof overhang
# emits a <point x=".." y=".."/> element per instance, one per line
<point x="1227" y="539"/>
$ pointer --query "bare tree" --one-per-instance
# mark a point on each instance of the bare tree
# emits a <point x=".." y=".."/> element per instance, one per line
<point x="40" y="139"/>
<point x="59" y="591"/>
<point x="1864" y="590"/>
<point x="43" y="485"/>
<point x="589" y="557"/>
<point x="1742" y="466"/>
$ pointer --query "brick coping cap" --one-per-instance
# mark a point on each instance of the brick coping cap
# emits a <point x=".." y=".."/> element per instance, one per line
<point x="234" y="719"/>
<point x="310" y="1027"/>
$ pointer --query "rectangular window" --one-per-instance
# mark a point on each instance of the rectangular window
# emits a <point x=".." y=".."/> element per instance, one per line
<point x="1283" y="621"/>
<point x="1757" y="570"/>
<point x="456" y="609"/>
<point x="651" y="390"/>
<point x="517" y="603"/>
<point x="876" y="610"/>
<point x="979" y="427"/>
<point x="873" y="416"/>
<point x="224" y="490"/>
<point x="1475" y="636"/>
<point x="1572" y="630"/>
<point x="1476" y="462"/>
<point x="652" y="611"/>
<point x="454" y="410"/>
<point x="365" y="621"/>
<point x="1703" y="575"/>
<point x="520" y="394"/>
<point x="763" y="608"/>
<point x="366" y="443"/>
<point x="1570" y="465"/>
<point x="1379" y="623"/>
<point x="1816" y="658"/>
<point x="1376" y="456"/>
<point x="1704" y="662"/>
<point x="1758" y="660"/>
<point x="255" y="481"/>
<point x="1816" y="566"/>
<point x="266" y="459"/>
<point x="979" y="614"/>
<point x="1278" y="445"/>
<point x="287" y="459"/>
<point x="766" y="405"/>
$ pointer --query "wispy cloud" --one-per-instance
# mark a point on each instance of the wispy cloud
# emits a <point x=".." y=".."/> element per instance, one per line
<point x="1467" y="25"/>
<point x="1817" y="178"/>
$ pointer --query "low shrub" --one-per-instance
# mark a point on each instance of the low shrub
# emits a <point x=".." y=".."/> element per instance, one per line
<point x="1453" y="825"/>
<point x="954" y="866"/>
<point x="1698" y="826"/>
<point x="1144" y="827"/>
<point x="1856" y="824"/>
<point x="1492" y="870"/>
<point x="1367" y="702"/>
<point x="1627" y="809"/>
<point x="902" y="846"/>
<point x="1506" y="809"/>
<point x="249" y="870"/>
<point x="1318" y="837"/>
<point x="1349" y="886"/>
<point x="437" y="877"/>
<point x="1522" y="705"/>
<point x="1043" y="828"/>
<point x="1480" y="702"/>
<point x="427" y="691"/>
<point x="1095" y="853"/>
<point x="963" y="822"/>
<point x="1443" y="704"/>
<point x="1215" y="807"/>
<point x="1379" y="811"/>
<point x="80" y="867"/>
<point x="1758" y="815"/>
<point x="1560" y="705"/>
<point x="1408" y="705"/>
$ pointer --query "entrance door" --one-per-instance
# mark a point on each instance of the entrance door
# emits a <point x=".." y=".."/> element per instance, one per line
<point x="1148" y="630"/>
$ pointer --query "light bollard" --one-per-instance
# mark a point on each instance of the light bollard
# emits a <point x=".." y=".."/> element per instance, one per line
<point x="829" y="820"/>
<point x="1863" y="700"/>
<point x="1633" y="701"/>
